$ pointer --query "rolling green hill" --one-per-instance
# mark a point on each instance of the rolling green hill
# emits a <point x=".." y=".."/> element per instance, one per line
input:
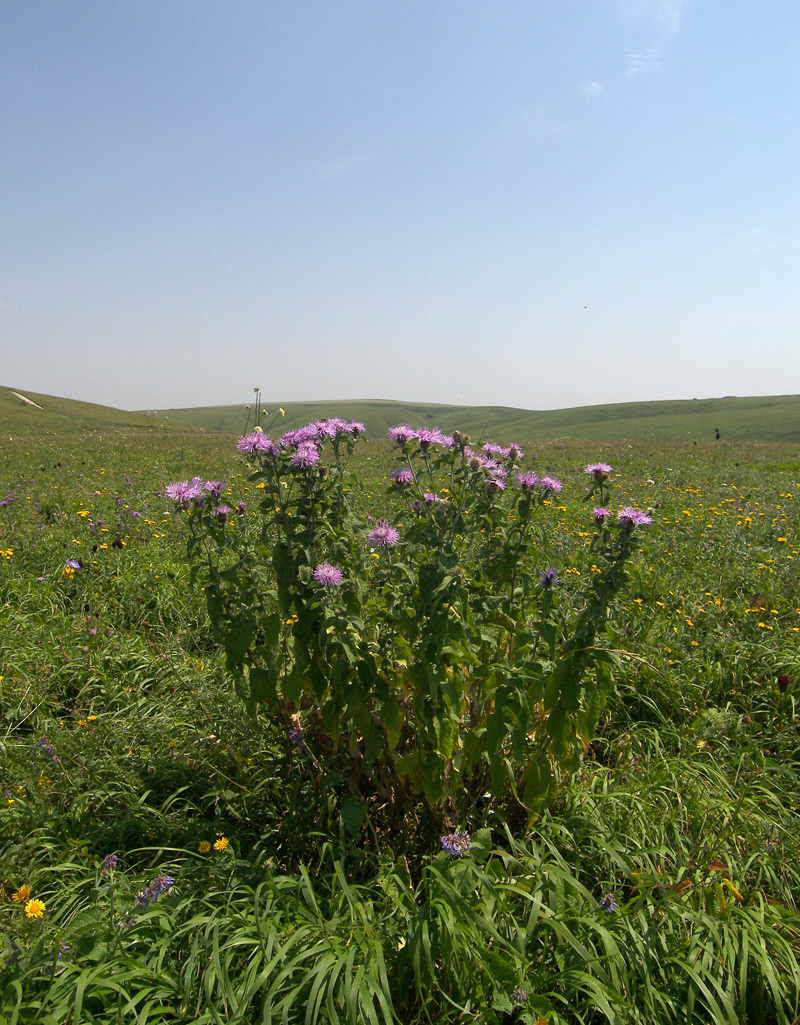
<point x="766" y="419"/>
<point x="24" y="412"/>
<point x="761" y="419"/>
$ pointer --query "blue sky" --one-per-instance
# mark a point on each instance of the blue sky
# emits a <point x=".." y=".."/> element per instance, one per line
<point x="540" y="204"/>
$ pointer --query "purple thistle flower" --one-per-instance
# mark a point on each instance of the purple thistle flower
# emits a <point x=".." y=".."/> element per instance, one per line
<point x="628" y="518"/>
<point x="600" y="514"/>
<point x="550" y="484"/>
<point x="430" y="498"/>
<point x="549" y="579"/>
<point x="494" y="485"/>
<point x="222" y="512"/>
<point x="401" y="433"/>
<point x="491" y="449"/>
<point x="183" y="491"/>
<point x="383" y="535"/>
<point x="513" y="452"/>
<point x="427" y="436"/>
<point x="355" y="427"/>
<point x="528" y="481"/>
<point x="403" y="475"/>
<point x="328" y="575"/>
<point x="599" y="471"/>
<point x="214" y="487"/>
<point x="257" y="441"/>
<point x="456" y="844"/>
<point x="306" y="456"/>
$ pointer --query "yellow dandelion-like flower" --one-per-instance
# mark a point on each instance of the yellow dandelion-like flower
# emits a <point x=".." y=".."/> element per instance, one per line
<point x="221" y="843"/>
<point x="22" y="894"/>
<point x="35" y="908"/>
<point x="204" y="847"/>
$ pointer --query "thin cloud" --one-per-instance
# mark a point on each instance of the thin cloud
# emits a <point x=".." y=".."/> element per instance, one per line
<point x="593" y="89"/>
<point x="346" y="165"/>
<point x="652" y="24"/>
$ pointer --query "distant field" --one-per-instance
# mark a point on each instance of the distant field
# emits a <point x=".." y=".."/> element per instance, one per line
<point x="766" y="419"/>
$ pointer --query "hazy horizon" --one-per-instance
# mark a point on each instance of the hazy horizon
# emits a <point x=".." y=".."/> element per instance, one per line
<point x="529" y="205"/>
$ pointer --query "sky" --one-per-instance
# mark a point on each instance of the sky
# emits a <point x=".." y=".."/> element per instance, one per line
<point x="531" y="203"/>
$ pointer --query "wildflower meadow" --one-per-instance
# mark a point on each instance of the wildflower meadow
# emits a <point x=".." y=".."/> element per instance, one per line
<point x="303" y="725"/>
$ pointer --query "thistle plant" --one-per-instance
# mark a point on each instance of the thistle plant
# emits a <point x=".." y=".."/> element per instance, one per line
<point x="429" y="654"/>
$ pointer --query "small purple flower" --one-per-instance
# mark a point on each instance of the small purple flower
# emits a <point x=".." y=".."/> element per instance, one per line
<point x="513" y="452"/>
<point x="430" y="498"/>
<point x="600" y="514"/>
<point x="355" y="427"/>
<point x="549" y="579"/>
<point x="48" y="749"/>
<point x="628" y="518"/>
<point x="383" y="535"/>
<point x="528" y="481"/>
<point x="214" y="487"/>
<point x="550" y="484"/>
<point x="222" y="512"/>
<point x="241" y="508"/>
<point x="109" y="864"/>
<point x="491" y="449"/>
<point x="402" y="433"/>
<point x="74" y="564"/>
<point x="183" y="491"/>
<point x="599" y="471"/>
<point x="456" y="844"/>
<point x="403" y="475"/>
<point x="494" y="485"/>
<point x="519" y="996"/>
<point x="306" y="456"/>
<point x="609" y="904"/>
<point x="297" y="738"/>
<point x="328" y="575"/>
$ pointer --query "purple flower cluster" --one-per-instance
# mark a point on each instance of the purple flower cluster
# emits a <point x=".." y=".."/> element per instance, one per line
<point x="110" y="862"/>
<point x="328" y="575"/>
<point x="48" y="749"/>
<point x="549" y="579"/>
<point x="145" y="898"/>
<point x="609" y="904"/>
<point x="424" y="436"/>
<point x="184" y="491"/>
<point x="456" y="844"/>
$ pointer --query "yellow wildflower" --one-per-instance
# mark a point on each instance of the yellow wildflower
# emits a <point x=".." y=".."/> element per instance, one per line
<point x="22" y="894"/>
<point x="204" y="847"/>
<point x="221" y="843"/>
<point x="35" y="908"/>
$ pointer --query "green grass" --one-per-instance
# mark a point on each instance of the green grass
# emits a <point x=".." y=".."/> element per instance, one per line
<point x="686" y="808"/>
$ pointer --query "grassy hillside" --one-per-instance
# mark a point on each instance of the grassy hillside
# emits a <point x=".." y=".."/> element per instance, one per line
<point x="760" y="419"/>
<point x="47" y="414"/>
<point x="764" y="419"/>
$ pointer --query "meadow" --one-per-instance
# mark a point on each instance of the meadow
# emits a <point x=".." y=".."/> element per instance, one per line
<point x="171" y="851"/>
